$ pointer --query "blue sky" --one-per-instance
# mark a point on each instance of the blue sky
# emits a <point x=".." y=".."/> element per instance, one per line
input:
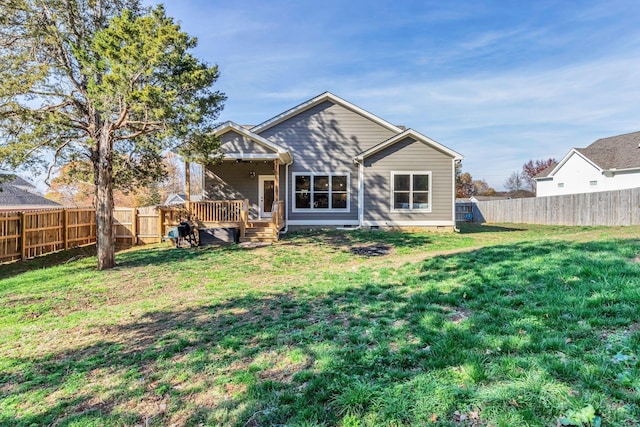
<point x="501" y="82"/>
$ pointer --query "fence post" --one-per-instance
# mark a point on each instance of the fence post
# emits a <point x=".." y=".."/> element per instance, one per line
<point x="160" y="224"/>
<point x="134" y="226"/>
<point x="65" y="228"/>
<point x="23" y="236"/>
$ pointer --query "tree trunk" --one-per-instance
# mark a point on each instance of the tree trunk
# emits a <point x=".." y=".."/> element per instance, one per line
<point x="103" y="170"/>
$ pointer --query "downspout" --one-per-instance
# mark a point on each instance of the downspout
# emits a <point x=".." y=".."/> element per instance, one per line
<point x="455" y="225"/>
<point x="360" y="198"/>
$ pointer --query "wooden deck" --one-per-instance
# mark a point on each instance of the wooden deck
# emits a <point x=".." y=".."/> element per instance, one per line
<point x="226" y="214"/>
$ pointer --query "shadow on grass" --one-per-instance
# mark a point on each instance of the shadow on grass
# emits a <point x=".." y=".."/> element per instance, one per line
<point x="348" y="241"/>
<point x="45" y="261"/>
<point x="472" y="332"/>
<point x="473" y="228"/>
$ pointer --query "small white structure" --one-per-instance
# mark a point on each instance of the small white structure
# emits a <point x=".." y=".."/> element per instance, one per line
<point x="608" y="164"/>
<point x="180" y="199"/>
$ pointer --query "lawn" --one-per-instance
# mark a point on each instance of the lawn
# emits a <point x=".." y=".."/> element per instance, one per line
<point x="496" y="325"/>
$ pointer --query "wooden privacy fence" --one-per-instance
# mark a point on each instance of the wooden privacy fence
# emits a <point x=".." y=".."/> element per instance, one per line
<point x="28" y="234"/>
<point x="136" y="225"/>
<point x="612" y="208"/>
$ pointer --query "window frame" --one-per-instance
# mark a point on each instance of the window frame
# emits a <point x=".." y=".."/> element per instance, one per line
<point x="329" y="192"/>
<point x="411" y="191"/>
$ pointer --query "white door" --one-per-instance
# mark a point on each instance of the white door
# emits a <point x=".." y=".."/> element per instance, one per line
<point x="266" y="187"/>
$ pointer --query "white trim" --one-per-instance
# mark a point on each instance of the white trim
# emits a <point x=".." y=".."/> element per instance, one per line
<point x="564" y="160"/>
<point x="326" y="96"/>
<point x="411" y="174"/>
<point x="612" y="172"/>
<point x="323" y="222"/>
<point x="416" y="223"/>
<point x="409" y="133"/>
<point x="261" y="180"/>
<point x="320" y="210"/>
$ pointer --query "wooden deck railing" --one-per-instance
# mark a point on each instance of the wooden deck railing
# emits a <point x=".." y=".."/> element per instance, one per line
<point x="218" y="210"/>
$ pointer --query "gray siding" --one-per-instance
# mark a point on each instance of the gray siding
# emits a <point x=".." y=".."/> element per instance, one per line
<point x="233" y="142"/>
<point x="326" y="138"/>
<point x="231" y="181"/>
<point x="407" y="155"/>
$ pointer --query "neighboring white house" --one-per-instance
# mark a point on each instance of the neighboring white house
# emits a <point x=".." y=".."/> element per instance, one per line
<point x="608" y="164"/>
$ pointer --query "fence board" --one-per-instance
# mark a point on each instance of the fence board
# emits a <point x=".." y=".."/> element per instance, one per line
<point x="37" y="232"/>
<point x="612" y="208"/>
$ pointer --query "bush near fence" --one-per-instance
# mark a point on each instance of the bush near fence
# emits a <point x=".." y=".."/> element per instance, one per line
<point x="610" y="208"/>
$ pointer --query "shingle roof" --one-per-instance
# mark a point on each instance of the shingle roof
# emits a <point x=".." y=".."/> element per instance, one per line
<point x="545" y="172"/>
<point x="615" y="152"/>
<point x="14" y="194"/>
<point x="15" y="180"/>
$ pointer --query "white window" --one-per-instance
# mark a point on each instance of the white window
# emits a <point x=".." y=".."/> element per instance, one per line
<point x="561" y="185"/>
<point x="411" y="191"/>
<point x="320" y="192"/>
<point x="593" y="183"/>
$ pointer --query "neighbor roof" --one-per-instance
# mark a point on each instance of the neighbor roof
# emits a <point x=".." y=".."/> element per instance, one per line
<point x="546" y="171"/>
<point x="15" y="180"/>
<point x="615" y="152"/>
<point x="13" y="194"/>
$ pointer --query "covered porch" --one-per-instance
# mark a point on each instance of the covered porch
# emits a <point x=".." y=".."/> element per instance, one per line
<point x="242" y="191"/>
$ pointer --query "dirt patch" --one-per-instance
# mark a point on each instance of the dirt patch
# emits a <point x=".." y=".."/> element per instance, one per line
<point x="457" y="314"/>
<point x="371" y="250"/>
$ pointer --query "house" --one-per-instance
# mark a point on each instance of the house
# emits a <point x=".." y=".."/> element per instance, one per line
<point x="180" y="199"/>
<point x="329" y="163"/>
<point x="17" y="194"/>
<point x="608" y="164"/>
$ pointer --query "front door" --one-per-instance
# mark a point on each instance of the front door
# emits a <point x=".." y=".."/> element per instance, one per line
<point x="266" y="186"/>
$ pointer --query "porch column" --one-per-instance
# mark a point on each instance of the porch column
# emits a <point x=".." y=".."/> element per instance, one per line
<point x="276" y="181"/>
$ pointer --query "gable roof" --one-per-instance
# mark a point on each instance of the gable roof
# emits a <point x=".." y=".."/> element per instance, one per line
<point x="326" y="96"/>
<point x="401" y="136"/>
<point x="179" y="198"/>
<point x="14" y="194"/>
<point x="615" y="153"/>
<point x="280" y="152"/>
<point x="546" y="171"/>
<point x="16" y="181"/>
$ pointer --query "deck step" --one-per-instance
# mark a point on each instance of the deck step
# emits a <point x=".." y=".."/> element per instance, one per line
<point x="261" y="233"/>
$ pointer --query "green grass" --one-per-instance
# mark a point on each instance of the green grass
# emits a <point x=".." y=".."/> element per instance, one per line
<point x="504" y="326"/>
